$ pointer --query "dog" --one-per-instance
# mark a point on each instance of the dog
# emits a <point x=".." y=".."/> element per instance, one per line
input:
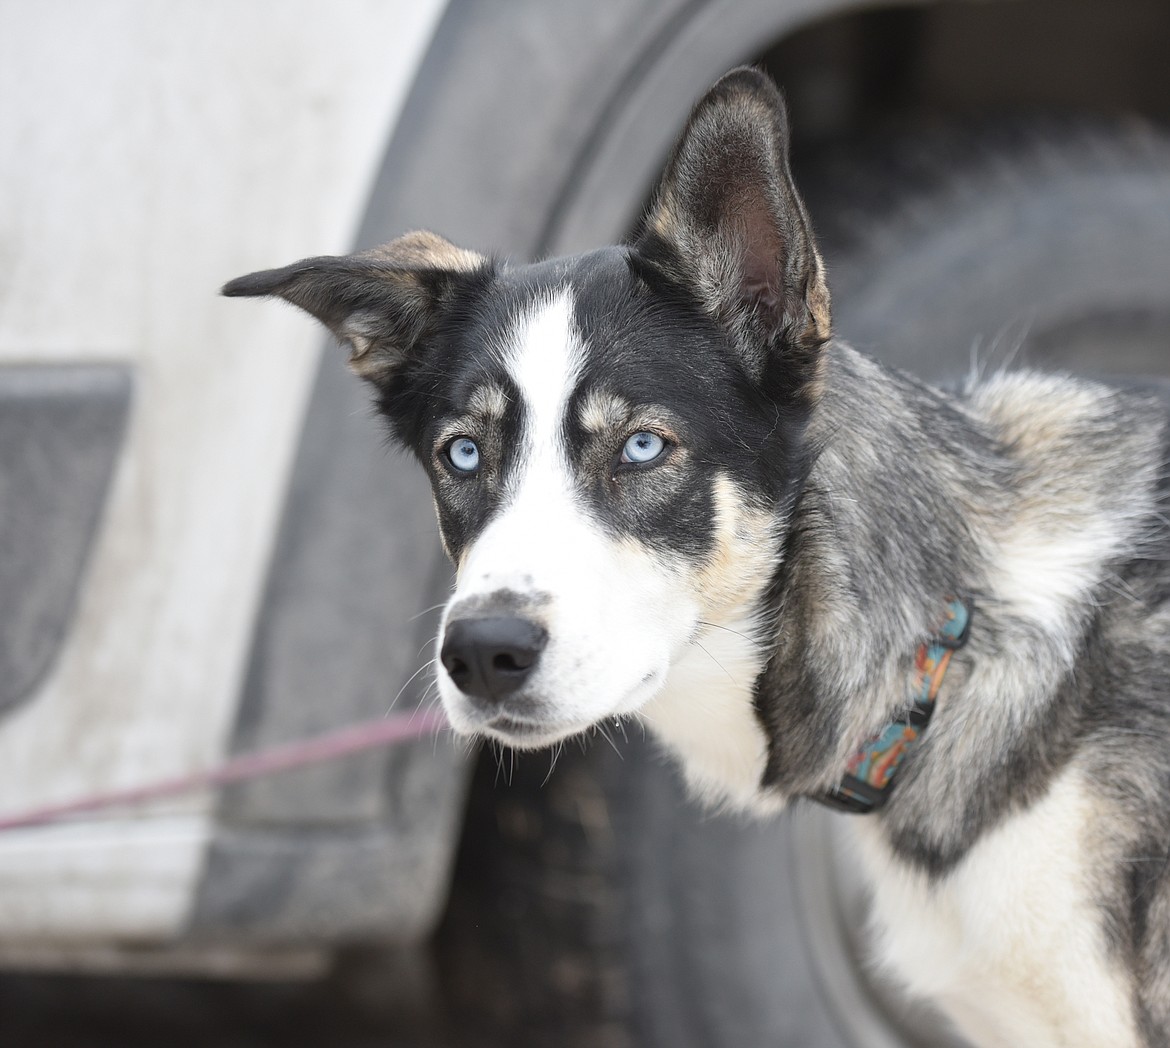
<point x="671" y="495"/>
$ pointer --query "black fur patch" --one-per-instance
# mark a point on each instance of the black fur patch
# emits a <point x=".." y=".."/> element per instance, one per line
<point x="647" y="344"/>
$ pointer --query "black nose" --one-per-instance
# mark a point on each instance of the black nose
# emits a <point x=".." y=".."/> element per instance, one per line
<point x="489" y="658"/>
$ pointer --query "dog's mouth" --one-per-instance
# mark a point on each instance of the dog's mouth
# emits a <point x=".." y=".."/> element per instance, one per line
<point x="535" y="731"/>
<point x="504" y="724"/>
<point x="526" y="734"/>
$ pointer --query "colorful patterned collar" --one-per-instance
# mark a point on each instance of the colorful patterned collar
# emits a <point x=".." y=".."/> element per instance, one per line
<point x="869" y="775"/>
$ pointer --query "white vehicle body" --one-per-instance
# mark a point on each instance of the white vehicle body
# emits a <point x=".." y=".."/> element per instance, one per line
<point x="153" y="151"/>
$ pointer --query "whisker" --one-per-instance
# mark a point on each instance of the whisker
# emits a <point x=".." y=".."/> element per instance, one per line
<point x="410" y="680"/>
<point x="612" y="745"/>
<point x="715" y="660"/>
<point x="498" y="754"/>
<point x="557" y="750"/>
<point x="728" y="629"/>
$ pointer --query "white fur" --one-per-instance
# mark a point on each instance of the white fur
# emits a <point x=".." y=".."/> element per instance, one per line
<point x="706" y="712"/>
<point x="1009" y="944"/>
<point x="544" y="356"/>
<point x="1045" y="573"/>
<point x="1048" y="554"/>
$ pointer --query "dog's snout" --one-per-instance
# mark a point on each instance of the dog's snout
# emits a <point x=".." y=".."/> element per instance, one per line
<point x="490" y="658"/>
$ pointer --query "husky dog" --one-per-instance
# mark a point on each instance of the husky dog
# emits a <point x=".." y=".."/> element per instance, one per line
<point x="671" y="495"/>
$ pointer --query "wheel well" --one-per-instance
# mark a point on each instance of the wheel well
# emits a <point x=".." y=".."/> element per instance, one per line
<point x="849" y="73"/>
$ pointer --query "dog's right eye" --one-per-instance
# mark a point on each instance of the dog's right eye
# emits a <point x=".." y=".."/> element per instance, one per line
<point x="463" y="454"/>
<point x="642" y="447"/>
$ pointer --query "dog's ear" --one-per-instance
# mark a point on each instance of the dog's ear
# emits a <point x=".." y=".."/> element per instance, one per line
<point x="728" y="225"/>
<point x="381" y="303"/>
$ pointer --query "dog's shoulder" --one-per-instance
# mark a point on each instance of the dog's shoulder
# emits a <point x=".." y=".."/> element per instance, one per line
<point x="1070" y="426"/>
<point x="1085" y="494"/>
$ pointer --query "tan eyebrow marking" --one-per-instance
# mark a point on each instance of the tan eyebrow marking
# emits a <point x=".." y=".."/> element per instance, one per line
<point x="489" y="402"/>
<point x="601" y="410"/>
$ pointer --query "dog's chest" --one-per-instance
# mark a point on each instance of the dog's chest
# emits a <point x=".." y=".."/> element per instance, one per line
<point x="712" y="683"/>
<point x="1009" y="944"/>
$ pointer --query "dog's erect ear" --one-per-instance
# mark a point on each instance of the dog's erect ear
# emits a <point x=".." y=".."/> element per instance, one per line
<point x="381" y="302"/>
<point x="728" y="224"/>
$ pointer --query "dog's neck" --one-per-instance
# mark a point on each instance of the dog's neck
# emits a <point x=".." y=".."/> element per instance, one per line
<point x="915" y="495"/>
<point x="886" y="530"/>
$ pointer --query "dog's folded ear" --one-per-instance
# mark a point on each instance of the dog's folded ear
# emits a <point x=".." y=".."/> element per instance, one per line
<point x="727" y="224"/>
<point x="382" y="303"/>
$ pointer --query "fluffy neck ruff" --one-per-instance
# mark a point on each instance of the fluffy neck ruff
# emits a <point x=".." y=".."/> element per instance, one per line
<point x="915" y="494"/>
<point x="887" y="527"/>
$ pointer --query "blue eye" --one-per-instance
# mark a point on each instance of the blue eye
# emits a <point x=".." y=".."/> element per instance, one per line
<point x="463" y="454"/>
<point x="643" y="447"/>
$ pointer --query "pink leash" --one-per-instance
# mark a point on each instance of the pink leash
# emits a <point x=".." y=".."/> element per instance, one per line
<point x="357" y="738"/>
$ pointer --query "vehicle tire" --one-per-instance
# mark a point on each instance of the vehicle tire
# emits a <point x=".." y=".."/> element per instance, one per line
<point x="1032" y="242"/>
<point x="593" y="904"/>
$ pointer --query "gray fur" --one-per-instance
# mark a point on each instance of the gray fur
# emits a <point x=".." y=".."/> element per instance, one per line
<point x="907" y="502"/>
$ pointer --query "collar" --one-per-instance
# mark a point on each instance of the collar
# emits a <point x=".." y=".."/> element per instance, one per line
<point x="870" y="774"/>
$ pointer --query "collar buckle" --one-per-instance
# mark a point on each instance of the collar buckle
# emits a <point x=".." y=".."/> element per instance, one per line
<point x="854" y="796"/>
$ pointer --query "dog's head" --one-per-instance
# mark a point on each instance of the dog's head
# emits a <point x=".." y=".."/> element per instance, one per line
<point x="614" y="440"/>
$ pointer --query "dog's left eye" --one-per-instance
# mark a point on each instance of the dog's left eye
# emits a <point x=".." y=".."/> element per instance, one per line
<point x="643" y="447"/>
<point x="463" y="454"/>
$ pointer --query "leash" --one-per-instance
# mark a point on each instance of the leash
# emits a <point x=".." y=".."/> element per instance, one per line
<point x="869" y="775"/>
<point x="356" y="738"/>
<point x="864" y="788"/>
